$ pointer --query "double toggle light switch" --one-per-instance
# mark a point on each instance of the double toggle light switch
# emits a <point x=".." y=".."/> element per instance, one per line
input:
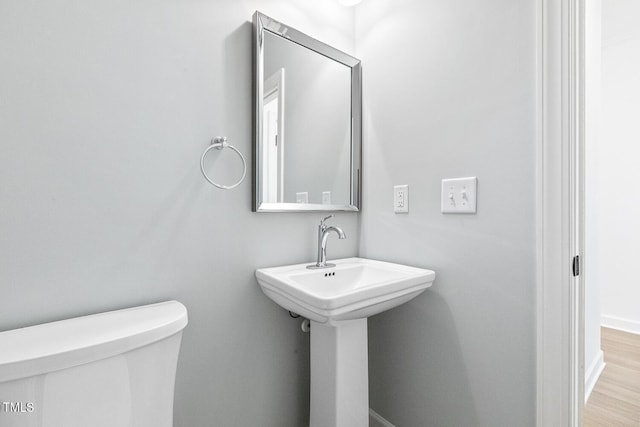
<point x="459" y="195"/>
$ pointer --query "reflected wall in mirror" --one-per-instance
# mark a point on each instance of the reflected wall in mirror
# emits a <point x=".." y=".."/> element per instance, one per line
<point x="307" y="146"/>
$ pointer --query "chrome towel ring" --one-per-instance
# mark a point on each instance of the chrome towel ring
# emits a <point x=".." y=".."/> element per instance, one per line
<point x="220" y="142"/>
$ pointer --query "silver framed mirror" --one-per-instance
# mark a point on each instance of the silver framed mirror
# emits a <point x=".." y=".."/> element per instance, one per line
<point x="309" y="159"/>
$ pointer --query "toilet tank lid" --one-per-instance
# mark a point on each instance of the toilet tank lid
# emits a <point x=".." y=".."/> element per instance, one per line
<point x="59" y="345"/>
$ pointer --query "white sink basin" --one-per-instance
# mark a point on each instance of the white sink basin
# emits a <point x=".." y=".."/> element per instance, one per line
<point x="355" y="288"/>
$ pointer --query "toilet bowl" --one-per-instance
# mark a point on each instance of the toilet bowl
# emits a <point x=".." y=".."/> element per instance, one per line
<point x="114" y="369"/>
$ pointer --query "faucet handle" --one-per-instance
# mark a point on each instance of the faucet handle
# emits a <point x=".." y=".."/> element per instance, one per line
<point x="323" y="220"/>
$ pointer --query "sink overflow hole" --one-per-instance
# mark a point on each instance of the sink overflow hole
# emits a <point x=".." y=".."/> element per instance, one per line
<point x="329" y="274"/>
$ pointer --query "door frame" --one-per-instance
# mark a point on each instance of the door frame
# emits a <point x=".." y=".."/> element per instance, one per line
<point x="559" y="211"/>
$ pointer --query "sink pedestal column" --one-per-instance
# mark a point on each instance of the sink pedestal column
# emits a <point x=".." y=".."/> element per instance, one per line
<point x="339" y="374"/>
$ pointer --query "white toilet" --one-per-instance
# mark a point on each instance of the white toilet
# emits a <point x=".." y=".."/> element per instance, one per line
<point x="114" y="369"/>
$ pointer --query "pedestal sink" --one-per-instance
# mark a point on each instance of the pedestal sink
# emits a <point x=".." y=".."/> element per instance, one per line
<point x="338" y="301"/>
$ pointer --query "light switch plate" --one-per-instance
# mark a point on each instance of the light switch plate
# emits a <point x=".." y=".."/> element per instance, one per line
<point x="401" y="199"/>
<point x="459" y="195"/>
<point x="302" y="197"/>
<point x="326" y="197"/>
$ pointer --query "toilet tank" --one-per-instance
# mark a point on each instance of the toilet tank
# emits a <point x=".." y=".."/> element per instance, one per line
<point x="114" y="369"/>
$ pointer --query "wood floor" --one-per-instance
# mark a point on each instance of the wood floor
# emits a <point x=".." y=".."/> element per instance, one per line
<point x="615" y="400"/>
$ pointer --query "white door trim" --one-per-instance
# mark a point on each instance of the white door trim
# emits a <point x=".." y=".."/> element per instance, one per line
<point x="559" y="142"/>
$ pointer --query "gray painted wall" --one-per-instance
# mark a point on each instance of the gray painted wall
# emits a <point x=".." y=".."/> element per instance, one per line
<point x="105" y="108"/>
<point x="449" y="92"/>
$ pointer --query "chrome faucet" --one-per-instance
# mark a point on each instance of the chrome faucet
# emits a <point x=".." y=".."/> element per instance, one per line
<point x="323" y="234"/>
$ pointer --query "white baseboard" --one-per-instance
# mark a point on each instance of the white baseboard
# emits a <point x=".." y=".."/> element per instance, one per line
<point x="626" y="325"/>
<point x="592" y="374"/>
<point x="376" y="420"/>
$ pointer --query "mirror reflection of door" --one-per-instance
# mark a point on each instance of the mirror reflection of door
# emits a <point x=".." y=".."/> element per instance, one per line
<point x="273" y="138"/>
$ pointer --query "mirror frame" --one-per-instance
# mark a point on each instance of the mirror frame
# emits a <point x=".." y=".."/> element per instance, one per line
<point x="262" y="24"/>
